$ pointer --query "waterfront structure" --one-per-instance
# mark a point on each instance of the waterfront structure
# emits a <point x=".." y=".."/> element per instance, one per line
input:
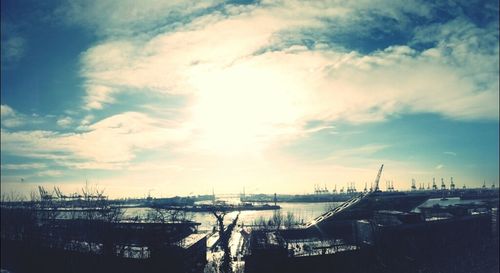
<point x="52" y="242"/>
<point x="452" y="239"/>
<point x="383" y="232"/>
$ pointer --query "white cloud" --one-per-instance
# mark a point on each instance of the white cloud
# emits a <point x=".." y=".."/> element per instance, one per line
<point x="97" y="95"/>
<point x="249" y="86"/>
<point x="9" y="117"/>
<point x="358" y="152"/>
<point x="13" y="49"/>
<point x="6" y="111"/>
<point x="450" y="153"/>
<point x="319" y="128"/>
<point x="128" y="17"/>
<point x="27" y="166"/>
<point x="50" y="173"/>
<point x="13" y="119"/>
<point x="115" y="139"/>
<point x="35" y="143"/>
<point x="439" y="167"/>
<point x="85" y="122"/>
<point x="108" y="144"/>
<point x="251" y="80"/>
<point x="217" y="52"/>
<point x="65" y="121"/>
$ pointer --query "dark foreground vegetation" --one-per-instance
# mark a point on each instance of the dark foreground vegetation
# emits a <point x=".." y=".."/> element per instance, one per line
<point x="90" y="234"/>
<point x="390" y="242"/>
<point x="45" y="235"/>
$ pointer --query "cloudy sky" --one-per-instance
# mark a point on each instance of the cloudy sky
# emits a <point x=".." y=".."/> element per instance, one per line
<point x="180" y="97"/>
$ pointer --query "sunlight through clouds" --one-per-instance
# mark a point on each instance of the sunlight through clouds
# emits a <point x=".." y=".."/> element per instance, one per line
<point x="219" y="91"/>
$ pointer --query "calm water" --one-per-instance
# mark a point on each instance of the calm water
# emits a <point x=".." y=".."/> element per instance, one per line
<point x="302" y="212"/>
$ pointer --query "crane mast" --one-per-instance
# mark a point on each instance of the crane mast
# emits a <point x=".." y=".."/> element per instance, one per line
<point x="376" y="188"/>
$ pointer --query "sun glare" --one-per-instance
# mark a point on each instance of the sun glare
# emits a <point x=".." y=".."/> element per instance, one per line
<point x="240" y="109"/>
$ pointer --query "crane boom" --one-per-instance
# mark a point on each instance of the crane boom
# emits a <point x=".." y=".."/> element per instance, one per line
<point x="378" y="178"/>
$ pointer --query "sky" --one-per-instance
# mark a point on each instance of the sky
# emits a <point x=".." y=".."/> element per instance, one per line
<point x="185" y="97"/>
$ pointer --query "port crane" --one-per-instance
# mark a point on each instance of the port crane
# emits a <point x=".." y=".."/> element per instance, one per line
<point x="347" y="204"/>
<point x="378" y="178"/>
<point x="44" y="195"/>
<point x="390" y="185"/>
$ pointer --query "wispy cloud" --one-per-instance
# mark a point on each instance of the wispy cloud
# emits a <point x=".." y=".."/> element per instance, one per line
<point x="9" y="118"/>
<point x="254" y="78"/>
<point x="257" y="73"/>
<point x="358" y="152"/>
<point x="127" y="17"/>
<point x="110" y="142"/>
<point x="27" y="166"/>
<point x="222" y="55"/>
<point x="64" y="121"/>
<point x="50" y="173"/>
<point x="15" y="120"/>
<point x="319" y="128"/>
<point x="13" y="44"/>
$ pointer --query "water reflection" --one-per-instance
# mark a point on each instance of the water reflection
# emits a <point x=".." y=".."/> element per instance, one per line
<point x="303" y="212"/>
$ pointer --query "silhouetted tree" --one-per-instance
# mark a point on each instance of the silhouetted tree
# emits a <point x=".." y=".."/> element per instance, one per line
<point x="290" y="220"/>
<point x="277" y="219"/>
<point x="224" y="236"/>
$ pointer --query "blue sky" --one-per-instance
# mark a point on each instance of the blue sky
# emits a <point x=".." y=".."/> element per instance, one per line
<point x="181" y="97"/>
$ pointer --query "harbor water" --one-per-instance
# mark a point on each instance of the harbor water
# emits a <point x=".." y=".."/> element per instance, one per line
<point x="302" y="213"/>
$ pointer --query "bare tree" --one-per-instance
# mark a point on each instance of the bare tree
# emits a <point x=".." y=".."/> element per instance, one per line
<point x="162" y="215"/>
<point x="224" y="236"/>
<point x="260" y="223"/>
<point x="289" y="219"/>
<point x="11" y="198"/>
<point x="277" y="219"/>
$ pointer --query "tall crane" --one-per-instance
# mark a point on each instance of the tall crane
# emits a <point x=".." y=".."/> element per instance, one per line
<point x="346" y="205"/>
<point x="452" y="185"/>
<point x="376" y="188"/>
<point x="44" y="195"/>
